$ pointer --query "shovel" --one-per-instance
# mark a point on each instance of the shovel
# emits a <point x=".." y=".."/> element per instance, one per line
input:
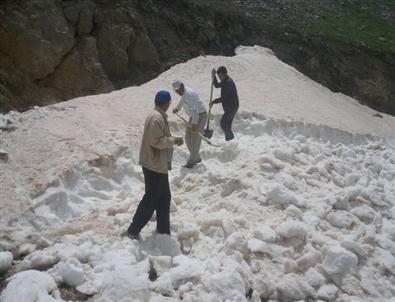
<point x="209" y="132"/>
<point x="190" y="126"/>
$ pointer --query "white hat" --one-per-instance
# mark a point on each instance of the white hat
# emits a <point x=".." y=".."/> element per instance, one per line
<point x="176" y="84"/>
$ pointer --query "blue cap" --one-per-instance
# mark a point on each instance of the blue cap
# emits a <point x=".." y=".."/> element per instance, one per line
<point x="162" y="97"/>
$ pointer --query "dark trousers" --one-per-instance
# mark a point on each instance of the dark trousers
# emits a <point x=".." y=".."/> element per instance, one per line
<point x="226" y="123"/>
<point x="156" y="198"/>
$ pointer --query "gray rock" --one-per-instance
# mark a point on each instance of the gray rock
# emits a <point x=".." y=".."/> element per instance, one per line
<point x="85" y="24"/>
<point x="114" y="36"/>
<point x="3" y="155"/>
<point x="36" y="37"/>
<point x="81" y="73"/>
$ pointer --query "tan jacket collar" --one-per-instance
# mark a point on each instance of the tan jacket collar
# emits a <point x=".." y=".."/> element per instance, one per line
<point x="161" y="111"/>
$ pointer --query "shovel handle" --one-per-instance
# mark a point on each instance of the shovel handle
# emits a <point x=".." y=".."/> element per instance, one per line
<point x="209" y="108"/>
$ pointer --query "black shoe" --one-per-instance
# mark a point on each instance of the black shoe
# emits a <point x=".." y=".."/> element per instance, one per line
<point x="133" y="236"/>
<point x="198" y="161"/>
<point x="188" y="165"/>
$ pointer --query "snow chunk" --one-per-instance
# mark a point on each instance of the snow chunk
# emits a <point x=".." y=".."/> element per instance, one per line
<point x="338" y="261"/>
<point x="294" y="287"/>
<point x="30" y="286"/>
<point x="280" y="195"/>
<point x="289" y="266"/>
<point x="5" y="261"/>
<point x="364" y="213"/>
<point x="236" y="241"/>
<point x="284" y="155"/>
<point x="125" y="284"/>
<point x="293" y="211"/>
<point x="161" y="264"/>
<point x="186" y="269"/>
<point x="258" y="246"/>
<point x="265" y="233"/>
<point x="292" y="229"/>
<point x="270" y="162"/>
<point x="122" y="219"/>
<point x="206" y="223"/>
<point x="376" y="285"/>
<point x="225" y="285"/>
<point x="389" y="229"/>
<point x="387" y="261"/>
<point x="311" y="259"/>
<point x="386" y="244"/>
<point x="341" y="219"/>
<point x="315" y="278"/>
<point x="327" y="292"/>
<point x="287" y="180"/>
<point x="71" y="272"/>
<point x="26" y="249"/>
<point x="40" y="260"/>
<point x="161" y="244"/>
<point x="188" y="232"/>
<point x="350" y="244"/>
<point x="6" y="123"/>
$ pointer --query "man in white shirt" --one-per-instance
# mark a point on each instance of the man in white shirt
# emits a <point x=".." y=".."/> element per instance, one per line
<point x="197" y="113"/>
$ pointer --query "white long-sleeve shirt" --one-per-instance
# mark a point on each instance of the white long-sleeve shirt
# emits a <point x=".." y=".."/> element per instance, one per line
<point x="192" y="104"/>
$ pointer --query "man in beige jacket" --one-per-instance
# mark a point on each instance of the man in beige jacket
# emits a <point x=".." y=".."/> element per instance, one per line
<point x="155" y="158"/>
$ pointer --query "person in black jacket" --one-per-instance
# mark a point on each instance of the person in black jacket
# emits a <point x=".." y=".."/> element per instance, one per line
<point x="229" y="100"/>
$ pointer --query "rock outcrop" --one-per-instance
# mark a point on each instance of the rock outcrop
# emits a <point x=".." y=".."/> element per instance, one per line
<point x="54" y="50"/>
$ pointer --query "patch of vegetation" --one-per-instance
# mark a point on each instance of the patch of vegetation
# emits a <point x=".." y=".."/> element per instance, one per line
<point x="368" y="23"/>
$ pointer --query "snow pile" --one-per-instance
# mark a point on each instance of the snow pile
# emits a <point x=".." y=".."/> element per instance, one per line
<point x="289" y="211"/>
<point x="31" y="286"/>
<point x="5" y="261"/>
<point x="6" y="122"/>
<point x="317" y="224"/>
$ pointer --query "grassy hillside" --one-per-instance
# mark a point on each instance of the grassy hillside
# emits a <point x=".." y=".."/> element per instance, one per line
<point x="369" y="23"/>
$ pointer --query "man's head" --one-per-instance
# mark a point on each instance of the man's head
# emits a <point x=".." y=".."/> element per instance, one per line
<point x="162" y="100"/>
<point x="178" y="87"/>
<point x="222" y="72"/>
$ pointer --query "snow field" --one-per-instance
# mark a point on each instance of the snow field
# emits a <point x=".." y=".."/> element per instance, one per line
<point x="287" y="212"/>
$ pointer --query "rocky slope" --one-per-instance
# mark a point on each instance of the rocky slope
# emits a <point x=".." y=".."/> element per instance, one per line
<point x="54" y="50"/>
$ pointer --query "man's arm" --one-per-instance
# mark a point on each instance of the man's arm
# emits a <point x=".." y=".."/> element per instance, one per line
<point x="217" y="101"/>
<point x="179" y="105"/>
<point x="216" y="83"/>
<point x="157" y="137"/>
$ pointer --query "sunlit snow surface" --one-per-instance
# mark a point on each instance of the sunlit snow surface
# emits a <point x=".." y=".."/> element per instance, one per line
<point x="288" y="211"/>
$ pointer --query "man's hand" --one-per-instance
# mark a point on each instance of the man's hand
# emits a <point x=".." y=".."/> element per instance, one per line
<point x="175" y="110"/>
<point x="216" y="101"/>
<point x="195" y="128"/>
<point x="178" y="141"/>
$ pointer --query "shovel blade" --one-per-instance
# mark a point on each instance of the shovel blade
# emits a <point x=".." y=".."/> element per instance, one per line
<point x="208" y="133"/>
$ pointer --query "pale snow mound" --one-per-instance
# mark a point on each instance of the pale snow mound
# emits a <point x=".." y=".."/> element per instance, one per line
<point x="298" y="207"/>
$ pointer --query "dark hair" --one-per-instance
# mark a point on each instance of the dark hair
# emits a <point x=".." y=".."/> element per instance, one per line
<point x="222" y="69"/>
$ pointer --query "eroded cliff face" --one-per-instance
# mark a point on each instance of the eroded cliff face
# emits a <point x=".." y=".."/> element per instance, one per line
<point x="54" y="50"/>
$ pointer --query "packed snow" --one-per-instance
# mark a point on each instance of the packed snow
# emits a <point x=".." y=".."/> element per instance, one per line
<point x="299" y="207"/>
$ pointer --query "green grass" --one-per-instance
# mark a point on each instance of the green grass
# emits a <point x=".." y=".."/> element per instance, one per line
<point x="359" y="24"/>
